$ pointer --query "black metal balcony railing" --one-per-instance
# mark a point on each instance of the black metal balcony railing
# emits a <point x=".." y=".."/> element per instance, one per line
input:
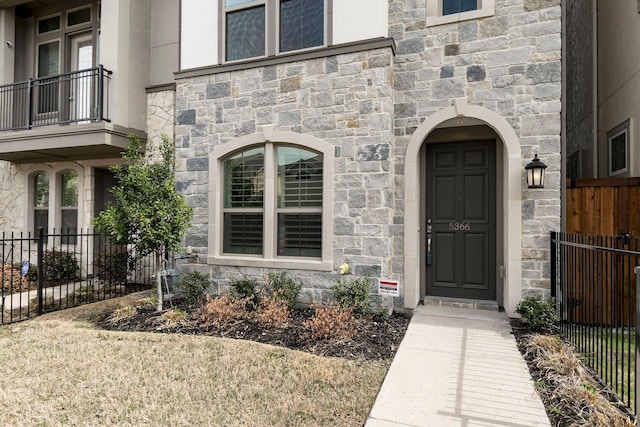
<point x="76" y="97"/>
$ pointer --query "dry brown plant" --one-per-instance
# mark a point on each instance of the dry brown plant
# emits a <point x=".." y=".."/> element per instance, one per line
<point x="13" y="281"/>
<point x="575" y="393"/>
<point x="272" y="311"/>
<point x="331" y="322"/>
<point x="122" y="313"/>
<point x="221" y="310"/>
<point x="174" y="317"/>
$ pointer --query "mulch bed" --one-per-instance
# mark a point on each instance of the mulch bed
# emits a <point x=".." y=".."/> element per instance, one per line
<point x="375" y="339"/>
<point x="564" y="418"/>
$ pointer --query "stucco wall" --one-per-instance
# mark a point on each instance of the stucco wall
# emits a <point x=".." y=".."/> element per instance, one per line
<point x="618" y="77"/>
<point x="580" y="84"/>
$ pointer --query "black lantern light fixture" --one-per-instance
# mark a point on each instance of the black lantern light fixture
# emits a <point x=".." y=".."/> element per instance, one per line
<point x="535" y="173"/>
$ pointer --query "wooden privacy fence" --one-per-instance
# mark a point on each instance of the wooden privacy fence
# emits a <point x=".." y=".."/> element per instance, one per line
<point x="607" y="213"/>
<point x="603" y="207"/>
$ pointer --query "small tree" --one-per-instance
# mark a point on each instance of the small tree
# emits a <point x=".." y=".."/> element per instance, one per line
<point x="147" y="211"/>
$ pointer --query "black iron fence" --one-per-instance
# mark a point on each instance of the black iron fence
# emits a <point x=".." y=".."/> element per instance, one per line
<point x="52" y="271"/>
<point x="595" y="282"/>
<point x="76" y="97"/>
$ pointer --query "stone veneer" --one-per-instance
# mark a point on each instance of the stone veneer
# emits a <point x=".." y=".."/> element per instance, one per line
<point x="346" y="100"/>
<point x="12" y="191"/>
<point x="509" y="64"/>
<point x="368" y="105"/>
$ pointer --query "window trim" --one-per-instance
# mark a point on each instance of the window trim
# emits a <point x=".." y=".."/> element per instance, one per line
<point x="37" y="53"/>
<point x="272" y="29"/>
<point x="622" y="128"/>
<point x="269" y="259"/>
<point x="485" y="9"/>
<point x="55" y="196"/>
<point x="87" y="24"/>
<point x="42" y="18"/>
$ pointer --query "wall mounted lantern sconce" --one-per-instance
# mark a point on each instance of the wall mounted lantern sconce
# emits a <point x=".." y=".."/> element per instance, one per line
<point x="535" y="173"/>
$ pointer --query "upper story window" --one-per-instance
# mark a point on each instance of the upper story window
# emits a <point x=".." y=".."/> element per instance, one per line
<point x="618" y="146"/>
<point x="256" y="28"/>
<point x="457" y="6"/>
<point x="440" y="12"/>
<point x="78" y="16"/>
<point x="47" y="25"/>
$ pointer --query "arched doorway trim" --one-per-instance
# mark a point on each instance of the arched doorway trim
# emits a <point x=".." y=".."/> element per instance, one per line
<point x="512" y="200"/>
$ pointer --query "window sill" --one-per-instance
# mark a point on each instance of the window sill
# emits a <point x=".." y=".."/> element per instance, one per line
<point x="287" y="263"/>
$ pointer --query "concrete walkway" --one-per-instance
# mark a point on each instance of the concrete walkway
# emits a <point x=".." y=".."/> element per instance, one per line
<point x="458" y="367"/>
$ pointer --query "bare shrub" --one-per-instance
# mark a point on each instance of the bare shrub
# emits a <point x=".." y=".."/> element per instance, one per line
<point x="272" y="310"/>
<point x="122" y="313"/>
<point x="331" y="322"/>
<point x="568" y="386"/>
<point x="174" y="317"/>
<point x="221" y="310"/>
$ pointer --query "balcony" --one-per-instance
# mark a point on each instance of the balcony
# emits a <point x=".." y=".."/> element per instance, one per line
<point x="59" y="118"/>
<point x="77" y="97"/>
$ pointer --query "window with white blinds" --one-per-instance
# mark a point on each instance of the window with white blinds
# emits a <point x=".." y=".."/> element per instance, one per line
<point x="297" y="178"/>
<point x="299" y="202"/>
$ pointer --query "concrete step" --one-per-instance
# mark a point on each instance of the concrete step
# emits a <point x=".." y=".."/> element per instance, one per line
<point x="461" y="303"/>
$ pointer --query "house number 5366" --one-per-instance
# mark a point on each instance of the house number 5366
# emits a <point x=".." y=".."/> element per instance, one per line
<point x="459" y="226"/>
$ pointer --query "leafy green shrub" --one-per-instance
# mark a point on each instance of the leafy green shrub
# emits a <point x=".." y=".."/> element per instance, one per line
<point x="284" y="286"/>
<point x="59" y="267"/>
<point x="112" y="265"/>
<point x="538" y="313"/>
<point x="245" y="288"/>
<point x="193" y="286"/>
<point x="354" y="293"/>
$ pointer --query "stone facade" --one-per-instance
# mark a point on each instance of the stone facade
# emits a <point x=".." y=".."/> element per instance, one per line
<point x="346" y="100"/>
<point x="161" y="107"/>
<point x="509" y="64"/>
<point x="12" y="189"/>
<point x="368" y="105"/>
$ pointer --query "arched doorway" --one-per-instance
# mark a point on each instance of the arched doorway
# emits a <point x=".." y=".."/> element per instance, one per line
<point x="451" y="126"/>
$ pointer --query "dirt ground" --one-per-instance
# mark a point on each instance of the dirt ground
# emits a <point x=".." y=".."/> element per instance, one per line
<point x="375" y="338"/>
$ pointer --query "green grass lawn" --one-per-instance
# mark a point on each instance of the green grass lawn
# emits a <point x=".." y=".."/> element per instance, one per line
<point x="610" y="352"/>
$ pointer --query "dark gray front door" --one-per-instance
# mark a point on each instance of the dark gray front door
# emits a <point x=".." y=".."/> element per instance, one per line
<point x="461" y="203"/>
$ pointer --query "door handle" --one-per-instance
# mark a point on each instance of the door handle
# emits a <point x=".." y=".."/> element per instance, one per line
<point x="429" y="253"/>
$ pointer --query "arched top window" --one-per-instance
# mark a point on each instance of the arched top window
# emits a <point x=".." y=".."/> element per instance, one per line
<point x="273" y="202"/>
<point x="298" y="177"/>
<point x="69" y="182"/>
<point x="40" y="201"/>
<point x="69" y="206"/>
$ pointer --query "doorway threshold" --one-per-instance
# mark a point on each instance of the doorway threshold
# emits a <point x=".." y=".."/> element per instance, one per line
<point x="462" y="303"/>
